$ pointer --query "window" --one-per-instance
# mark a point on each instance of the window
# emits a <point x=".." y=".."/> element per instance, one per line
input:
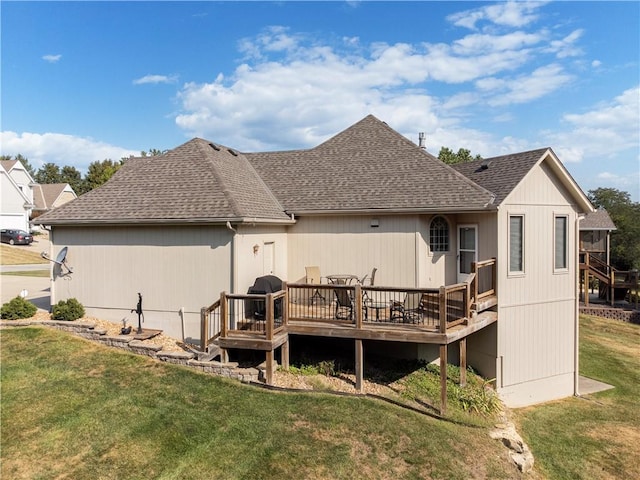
<point x="516" y="243"/>
<point x="439" y="235"/>
<point x="560" y="243"/>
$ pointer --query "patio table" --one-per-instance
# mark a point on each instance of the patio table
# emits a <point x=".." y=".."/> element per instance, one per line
<point x="342" y="278"/>
<point x="377" y="306"/>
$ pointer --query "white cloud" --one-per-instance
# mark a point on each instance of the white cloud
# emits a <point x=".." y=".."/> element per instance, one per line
<point x="510" y="14"/>
<point x="605" y="137"/>
<point x="60" y="149"/>
<point x="566" y="47"/>
<point x="524" y="88"/>
<point x="605" y="131"/>
<point x="51" y="58"/>
<point x="304" y="87"/>
<point x="154" y="79"/>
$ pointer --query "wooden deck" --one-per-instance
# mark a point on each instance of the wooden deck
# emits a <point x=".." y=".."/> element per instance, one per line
<point x="440" y="317"/>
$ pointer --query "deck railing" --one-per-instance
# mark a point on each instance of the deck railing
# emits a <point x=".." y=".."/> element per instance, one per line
<point x="355" y="306"/>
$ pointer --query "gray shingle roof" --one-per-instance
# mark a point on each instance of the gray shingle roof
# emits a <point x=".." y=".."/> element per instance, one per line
<point x="368" y="166"/>
<point x="194" y="182"/>
<point x="45" y="194"/>
<point x="503" y="173"/>
<point x="597" y="220"/>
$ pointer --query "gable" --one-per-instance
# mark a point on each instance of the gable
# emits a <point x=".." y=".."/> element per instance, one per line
<point x="367" y="167"/>
<point x="540" y="187"/>
<point x="506" y="175"/>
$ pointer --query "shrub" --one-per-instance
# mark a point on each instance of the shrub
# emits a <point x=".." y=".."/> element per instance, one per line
<point x="67" y="310"/>
<point x="18" y="308"/>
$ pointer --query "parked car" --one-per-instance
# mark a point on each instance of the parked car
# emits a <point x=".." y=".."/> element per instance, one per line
<point x="16" y="237"/>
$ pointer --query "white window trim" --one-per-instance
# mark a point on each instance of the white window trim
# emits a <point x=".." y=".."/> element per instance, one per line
<point x="562" y="270"/>
<point x="516" y="273"/>
<point x="439" y="252"/>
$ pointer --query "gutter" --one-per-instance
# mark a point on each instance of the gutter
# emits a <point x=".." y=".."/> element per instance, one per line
<point x="397" y="211"/>
<point x="169" y="221"/>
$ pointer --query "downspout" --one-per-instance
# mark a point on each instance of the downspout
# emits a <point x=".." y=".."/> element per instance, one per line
<point x="576" y="339"/>
<point x="234" y="260"/>
<point x="52" y="283"/>
<point x="418" y="259"/>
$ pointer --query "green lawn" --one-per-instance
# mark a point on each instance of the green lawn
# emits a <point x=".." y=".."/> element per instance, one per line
<point x="74" y="409"/>
<point x="595" y="436"/>
<point x="28" y="273"/>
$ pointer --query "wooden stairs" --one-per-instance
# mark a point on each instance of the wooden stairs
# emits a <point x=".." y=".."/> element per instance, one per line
<point x="614" y="284"/>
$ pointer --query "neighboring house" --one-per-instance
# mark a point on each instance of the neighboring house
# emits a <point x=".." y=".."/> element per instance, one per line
<point x="16" y="195"/>
<point x="595" y="234"/>
<point x="203" y="218"/>
<point x="50" y="195"/>
<point x="23" y="199"/>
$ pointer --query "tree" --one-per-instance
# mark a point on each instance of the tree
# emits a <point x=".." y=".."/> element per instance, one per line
<point x="625" y="241"/>
<point x="99" y="172"/>
<point x="48" y="173"/>
<point x="450" y="158"/>
<point x="153" y="152"/>
<point x="25" y="163"/>
<point x="73" y="177"/>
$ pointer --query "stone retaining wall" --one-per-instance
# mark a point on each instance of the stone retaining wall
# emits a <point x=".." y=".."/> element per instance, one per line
<point x="629" y="316"/>
<point x="187" y="359"/>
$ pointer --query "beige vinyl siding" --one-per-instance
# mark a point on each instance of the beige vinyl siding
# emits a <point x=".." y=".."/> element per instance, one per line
<point x="350" y="245"/>
<point x="251" y="265"/>
<point x="174" y="267"/>
<point x="63" y="198"/>
<point x="537" y="309"/>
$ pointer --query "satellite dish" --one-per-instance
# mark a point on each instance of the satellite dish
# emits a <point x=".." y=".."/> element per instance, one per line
<point x="60" y="260"/>
<point x="62" y="256"/>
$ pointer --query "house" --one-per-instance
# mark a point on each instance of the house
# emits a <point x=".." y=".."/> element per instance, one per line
<point x="17" y="195"/>
<point x="50" y="195"/>
<point x="23" y="199"/>
<point x="204" y="218"/>
<point x="595" y="234"/>
<point x="595" y="262"/>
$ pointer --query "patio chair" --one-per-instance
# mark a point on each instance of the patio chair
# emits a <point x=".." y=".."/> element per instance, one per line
<point x="313" y="277"/>
<point x="345" y="305"/>
<point x="364" y="282"/>
<point x="410" y="310"/>
<point x="372" y="277"/>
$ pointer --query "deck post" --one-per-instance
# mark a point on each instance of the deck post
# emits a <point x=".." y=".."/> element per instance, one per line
<point x="285" y="304"/>
<point x="612" y="288"/>
<point x="269" y="316"/>
<point x="269" y="363"/>
<point x="284" y="354"/>
<point x="463" y="362"/>
<point x="472" y="290"/>
<point x="358" y="300"/>
<point x="443" y="309"/>
<point x="204" y="329"/>
<point x="359" y="366"/>
<point x="585" y="277"/>
<point x="224" y="318"/>
<point x="443" y="380"/>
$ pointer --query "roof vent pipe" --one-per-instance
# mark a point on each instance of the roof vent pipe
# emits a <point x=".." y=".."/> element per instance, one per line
<point x="421" y="137"/>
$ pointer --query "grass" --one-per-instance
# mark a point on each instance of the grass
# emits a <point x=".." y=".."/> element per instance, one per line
<point x="596" y="436"/>
<point x="74" y="409"/>
<point x="18" y="255"/>
<point x="28" y="273"/>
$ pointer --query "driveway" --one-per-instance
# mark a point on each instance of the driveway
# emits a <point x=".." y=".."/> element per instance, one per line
<point x="38" y="288"/>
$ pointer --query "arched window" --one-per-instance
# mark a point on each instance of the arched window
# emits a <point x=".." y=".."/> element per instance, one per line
<point x="439" y="235"/>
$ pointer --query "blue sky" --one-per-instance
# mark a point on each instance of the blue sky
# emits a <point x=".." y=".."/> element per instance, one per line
<point x="85" y="81"/>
